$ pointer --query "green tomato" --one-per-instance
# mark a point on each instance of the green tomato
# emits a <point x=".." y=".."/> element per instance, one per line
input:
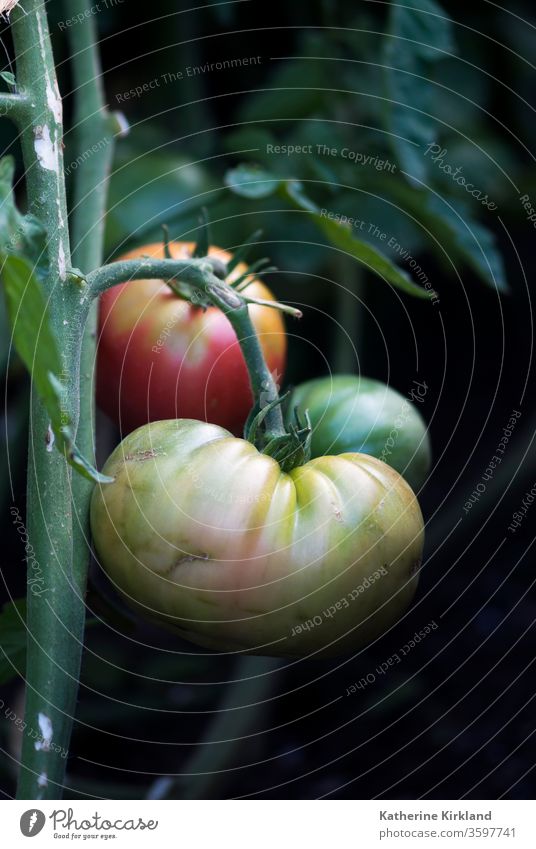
<point x="350" y="413"/>
<point x="204" y="533"/>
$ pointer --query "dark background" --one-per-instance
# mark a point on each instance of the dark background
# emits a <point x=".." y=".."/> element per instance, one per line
<point x="456" y="718"/>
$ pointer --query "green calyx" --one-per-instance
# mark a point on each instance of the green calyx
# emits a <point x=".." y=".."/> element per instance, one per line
<point x="291" y="448"/>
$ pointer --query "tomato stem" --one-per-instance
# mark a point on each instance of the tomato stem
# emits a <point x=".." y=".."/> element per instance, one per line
<point x="57" y="500"/>
<point x="55" y="614"/>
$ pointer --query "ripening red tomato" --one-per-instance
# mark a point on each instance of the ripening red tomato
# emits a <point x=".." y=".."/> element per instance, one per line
<point x="160" y="357"/>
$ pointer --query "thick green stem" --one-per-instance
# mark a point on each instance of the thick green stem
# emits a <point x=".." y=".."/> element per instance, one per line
<point x="54" y="618"/>
<point x="94" y="131"/>
<point x="89" y="157"/>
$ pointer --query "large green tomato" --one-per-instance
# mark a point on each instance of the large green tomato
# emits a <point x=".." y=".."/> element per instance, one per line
<point x="201" y="531"/>
<point x="351" y="413"/>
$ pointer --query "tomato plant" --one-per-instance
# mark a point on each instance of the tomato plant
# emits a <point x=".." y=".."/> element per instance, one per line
<point x="161" y="357"/>
<point x="351" y="413"/>
<point x="202" y="531"/>
<point x="240" y="544"/>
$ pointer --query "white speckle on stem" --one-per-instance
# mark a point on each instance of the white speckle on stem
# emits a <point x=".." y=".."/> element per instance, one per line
<point x="42" y="781"/>
<point x="62" y="265"/>
<point x="122" y="125"/>
<point x="45" y="149"/>
<point x="45" y="726"/>
<point x="50" y="439"/>
<point x="54" y="100"/>
<point x="51" y="84"/>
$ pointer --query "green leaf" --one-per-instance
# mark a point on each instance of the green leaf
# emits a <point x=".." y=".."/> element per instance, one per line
<point x="32" y="335"/>
<point x="12" y="640"/>
<point x="151" y="189"/>
<point x="446" y="225"/>
<point x="36" y="345"/>
<point x="419" y="35"/>
<point x="252" y="181"/>
<point x="294" y="91"/>
<point x="251" y="139"/>
<point x="22" y="234"/>
<point x="463" y="236"/>
<point x="341" y="236"/>
<point x="78" y="461"/>
<point x="8" y="78"/>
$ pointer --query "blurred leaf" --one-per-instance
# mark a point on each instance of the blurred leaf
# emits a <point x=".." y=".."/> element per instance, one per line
<point x="463" y="83"/>
<point x="22" y="234"/>
<point x="251" y="181"/>
<point x="254" y="182"/>
<point x="234" y="218"/>
<point x="36" y="345"/>
<point x="250" y="138"/>
<point x="148" y="190"/>
<point x="462" y="235"/>
<point x="319" y="170"/>
<point x="341" y="236"/>
<point x="484" y="158"/>
<point x="12" y="640"/>
<point x="457" y="231"/>
<point x="295" y="91"/>
<point x="372" y="206"/>
<point x="419" y="34"/>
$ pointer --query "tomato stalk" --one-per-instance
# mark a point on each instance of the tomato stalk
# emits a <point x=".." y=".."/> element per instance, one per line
<point x="57" y="500"/>
<point x="94" y="129"/>
<point x="55" y="614"/>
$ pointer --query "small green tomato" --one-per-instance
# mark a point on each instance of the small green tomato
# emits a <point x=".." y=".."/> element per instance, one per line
<point x="351" y="413"/>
